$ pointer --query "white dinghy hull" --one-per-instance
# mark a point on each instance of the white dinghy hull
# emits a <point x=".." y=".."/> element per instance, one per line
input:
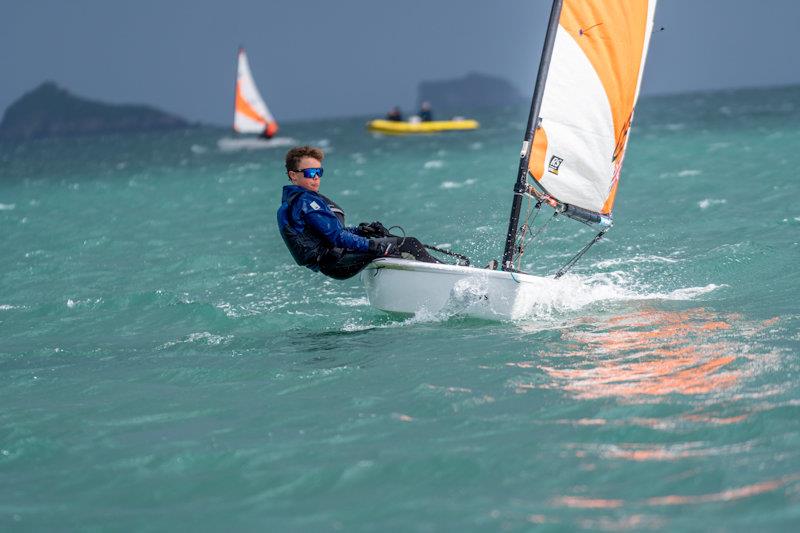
<point x="413" y="287"/>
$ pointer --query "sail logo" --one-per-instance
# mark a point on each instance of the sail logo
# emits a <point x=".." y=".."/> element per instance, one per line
<point x="555" y="164"/>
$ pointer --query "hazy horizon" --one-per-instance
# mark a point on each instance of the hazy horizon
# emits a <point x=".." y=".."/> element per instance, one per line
<point x="322" y="60"/>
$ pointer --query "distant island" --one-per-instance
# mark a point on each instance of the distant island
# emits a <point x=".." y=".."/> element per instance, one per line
<point x="51" y="111"/>
<point x="468" y="92"/>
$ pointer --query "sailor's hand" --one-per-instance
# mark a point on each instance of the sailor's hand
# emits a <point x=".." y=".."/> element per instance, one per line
<point x="365" y="230"/>
<point x="373" y="229"/>
<point x="379" y="228"/>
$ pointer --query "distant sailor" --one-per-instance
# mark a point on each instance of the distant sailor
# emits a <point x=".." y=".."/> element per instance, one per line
<point x="395" y="114"/>
<point x="425" y="112"/>
<point x="269" y="130"/>
<point x="312" y="225"/>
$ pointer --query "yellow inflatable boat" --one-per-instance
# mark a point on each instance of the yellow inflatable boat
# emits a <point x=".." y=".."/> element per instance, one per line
<point x="434" y="126"/>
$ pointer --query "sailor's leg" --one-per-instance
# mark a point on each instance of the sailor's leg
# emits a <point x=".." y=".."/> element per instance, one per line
<point x="414" y="247"/>
<point x="408" y="248"/>
<point x="345" y="265"/>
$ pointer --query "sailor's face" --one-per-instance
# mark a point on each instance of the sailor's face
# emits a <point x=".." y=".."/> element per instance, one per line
<point x="296" y="176"/>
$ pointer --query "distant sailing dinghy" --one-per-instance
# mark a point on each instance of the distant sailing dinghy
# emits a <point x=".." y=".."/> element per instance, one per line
<point x="251" y="114"/>
<point x="574" y="145"/>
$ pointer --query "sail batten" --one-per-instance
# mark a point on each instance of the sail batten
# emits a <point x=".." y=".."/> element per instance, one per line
<point x="251" y="114"/>
<point x="587" y="108"/>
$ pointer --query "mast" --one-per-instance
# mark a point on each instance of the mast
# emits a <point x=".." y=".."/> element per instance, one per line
<point x="533" y="122"/>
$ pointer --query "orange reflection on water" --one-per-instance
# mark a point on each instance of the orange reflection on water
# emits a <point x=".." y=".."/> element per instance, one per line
<point x="724" y="496"/>
<point x="587" y="503"/>
<point x="659" y="452"/>
<point x="651" y="353"/>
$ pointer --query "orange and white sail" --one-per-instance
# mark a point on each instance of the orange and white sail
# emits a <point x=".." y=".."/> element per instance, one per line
<point x="589" y="98"/>
<point x="251" y="114"/>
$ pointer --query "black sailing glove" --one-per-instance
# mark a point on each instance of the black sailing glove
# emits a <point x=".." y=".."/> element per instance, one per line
<point x="365" y="230"/>
<point x="372" y="230"/>
<point x="379" y="228"/>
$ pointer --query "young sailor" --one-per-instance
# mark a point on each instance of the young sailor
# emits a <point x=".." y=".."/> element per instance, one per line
<point x="312" y="225"/>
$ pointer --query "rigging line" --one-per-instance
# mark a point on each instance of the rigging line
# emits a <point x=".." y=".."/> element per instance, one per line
<point x="520" y="243"/>
<point x="526" y="226"/>
<point x="461" y="257"/>
<point x="543" y="226"/>
<point x="563" y="270"/>
<point x="539" y="230"/>
<point x="401" y="229"/>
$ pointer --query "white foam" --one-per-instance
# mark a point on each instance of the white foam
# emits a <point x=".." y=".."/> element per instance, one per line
<point x="689" y="172"/>
<point x="574" y="292"/>
<point x="230" y="144"/>
<point x="6" y="307"/>
<point x="433" y="164"/>
<point x="351" y="327"/>
<point x="352" y="302"/>
<point x="7" y="207"/>
<point x="689" y="293"/>
<point x="713" y="147"/>
<point x="638" y="259"/>
<point x="198" y="149"/>
<point x="203" y="336"/>
<point x="456" y="184"/>
<point x="708" y="202"/>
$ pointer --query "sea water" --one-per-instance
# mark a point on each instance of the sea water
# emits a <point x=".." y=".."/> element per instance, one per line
<point x="164" y="365"/>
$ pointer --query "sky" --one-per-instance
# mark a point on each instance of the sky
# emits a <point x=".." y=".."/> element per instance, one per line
<point x="335" y="58"/>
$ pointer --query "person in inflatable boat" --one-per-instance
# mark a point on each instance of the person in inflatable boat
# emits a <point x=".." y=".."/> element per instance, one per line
<point x="312" y="225"/>
<point x="425" y="112"/>
<point x="394" y="114"/>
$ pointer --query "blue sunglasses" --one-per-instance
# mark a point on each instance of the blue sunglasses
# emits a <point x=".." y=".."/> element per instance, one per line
<point x="311" y="172"/>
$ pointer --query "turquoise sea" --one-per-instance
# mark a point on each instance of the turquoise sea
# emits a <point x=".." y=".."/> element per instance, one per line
<point x="164" y="365"/>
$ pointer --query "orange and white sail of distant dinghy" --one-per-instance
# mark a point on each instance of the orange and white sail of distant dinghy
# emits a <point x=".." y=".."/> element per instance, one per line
<point x="251" y="114"/>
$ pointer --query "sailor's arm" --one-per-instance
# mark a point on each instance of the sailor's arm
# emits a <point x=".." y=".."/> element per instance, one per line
<point x="327" y="225"/>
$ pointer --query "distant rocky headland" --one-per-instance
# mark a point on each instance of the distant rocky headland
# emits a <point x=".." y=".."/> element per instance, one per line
<point x="468" y="92"/>
<point x="51" y="111"/>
